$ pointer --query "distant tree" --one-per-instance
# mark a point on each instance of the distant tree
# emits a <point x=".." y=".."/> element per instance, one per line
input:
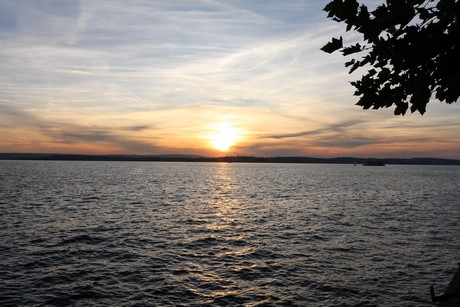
<point x="411" y="48"/>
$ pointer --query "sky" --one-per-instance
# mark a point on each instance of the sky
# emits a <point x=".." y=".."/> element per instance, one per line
<point x="201" y="77"/>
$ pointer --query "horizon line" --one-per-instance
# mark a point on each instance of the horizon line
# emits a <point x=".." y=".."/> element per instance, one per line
<point x="191" y="157"/>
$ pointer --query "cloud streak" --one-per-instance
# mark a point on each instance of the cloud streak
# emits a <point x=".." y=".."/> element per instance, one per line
<point x="60" y="133"/>
<point x="150" y="76"/>
<point x="335" y="128"/>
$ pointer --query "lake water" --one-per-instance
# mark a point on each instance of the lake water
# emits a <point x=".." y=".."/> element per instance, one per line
<point x="134" y="233"/>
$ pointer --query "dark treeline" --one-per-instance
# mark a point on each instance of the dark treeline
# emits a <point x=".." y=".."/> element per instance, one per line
<point x="228" y="159"/>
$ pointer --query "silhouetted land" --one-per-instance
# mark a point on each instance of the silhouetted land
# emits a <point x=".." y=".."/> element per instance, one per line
<point x="229" y="159"/>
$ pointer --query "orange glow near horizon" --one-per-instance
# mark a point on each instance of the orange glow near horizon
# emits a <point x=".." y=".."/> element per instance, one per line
<point x="223" y="136"/>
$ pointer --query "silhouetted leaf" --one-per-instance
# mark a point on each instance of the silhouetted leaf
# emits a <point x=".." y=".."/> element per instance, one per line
<point x="352" y="49"/>
<point x="333" y="6"/>
<point x="333" y="45"/>
<point x="401" y="108"/>
<point x="424" y="13"/>
<point x="413" y="50"/>
<point x="349" y="63"/>
<point x="355" y="66"/>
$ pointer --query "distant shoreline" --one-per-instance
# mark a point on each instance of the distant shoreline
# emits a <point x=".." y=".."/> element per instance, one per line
<point x="228" y="159"/>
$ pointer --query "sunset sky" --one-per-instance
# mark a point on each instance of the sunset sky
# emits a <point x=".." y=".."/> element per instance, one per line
<point x="206" y="77"/>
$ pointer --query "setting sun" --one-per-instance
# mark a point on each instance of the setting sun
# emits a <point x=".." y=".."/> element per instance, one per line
<point x="223" y="136"/>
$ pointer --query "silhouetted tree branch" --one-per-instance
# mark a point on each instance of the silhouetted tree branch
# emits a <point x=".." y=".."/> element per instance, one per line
<point x="411" y="47"/>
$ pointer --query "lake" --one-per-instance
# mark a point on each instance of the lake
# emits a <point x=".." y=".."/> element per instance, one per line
<point x="187" y="234"/>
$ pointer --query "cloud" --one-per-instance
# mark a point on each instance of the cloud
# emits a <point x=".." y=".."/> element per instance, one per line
<point x="335" y="128"/>
<point x="152" y="75"/>
<point x="110" y="139"/>
<point x="69" y="133"/>
<point x="168" y="53"/>
<point x="136" y="128"/>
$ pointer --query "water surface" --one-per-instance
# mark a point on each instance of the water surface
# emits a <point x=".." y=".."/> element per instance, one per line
<point x="127" y="233"/>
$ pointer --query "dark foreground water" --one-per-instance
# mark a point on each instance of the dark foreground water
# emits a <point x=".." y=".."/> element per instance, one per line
<point x="104" y="233"/>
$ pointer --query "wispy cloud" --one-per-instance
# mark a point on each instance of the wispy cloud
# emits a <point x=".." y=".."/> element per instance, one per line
<point x="64" y="133"/>
<point x="335" y="128"/>
<point x="152" y="75"/>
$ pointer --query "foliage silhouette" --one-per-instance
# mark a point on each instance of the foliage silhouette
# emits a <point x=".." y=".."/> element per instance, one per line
<point x="412" y="48"/>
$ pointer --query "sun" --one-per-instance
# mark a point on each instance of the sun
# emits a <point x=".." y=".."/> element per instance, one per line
<point x="223" y="136"/>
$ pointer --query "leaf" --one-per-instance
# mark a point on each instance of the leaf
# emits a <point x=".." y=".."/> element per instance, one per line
<point x="440" y="94"/>
<point x="421" y="95"/>
<point x="424" y="13"/>
<point x="363" y="17"/>
<point x="401" y="108"/>
<point x="333" y="6"/>
<point x="402" y="11"/>
<point x="350" y="8"/>
<point x="380" y="11"/>
<point x="392" y="30"/>
<point x="411" y="49"/>
<point x="333" y="45"/>
<point x="355" y="67"/>
<point x="349" y="63"/>
<point x="352" y="49"/>
<point x="384" y="74"/>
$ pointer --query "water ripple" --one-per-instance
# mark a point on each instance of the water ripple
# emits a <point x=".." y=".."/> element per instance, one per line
<point x="179" y="234"/>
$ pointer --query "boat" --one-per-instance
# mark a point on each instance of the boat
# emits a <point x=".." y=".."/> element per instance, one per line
<point x="373" y="163"/>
